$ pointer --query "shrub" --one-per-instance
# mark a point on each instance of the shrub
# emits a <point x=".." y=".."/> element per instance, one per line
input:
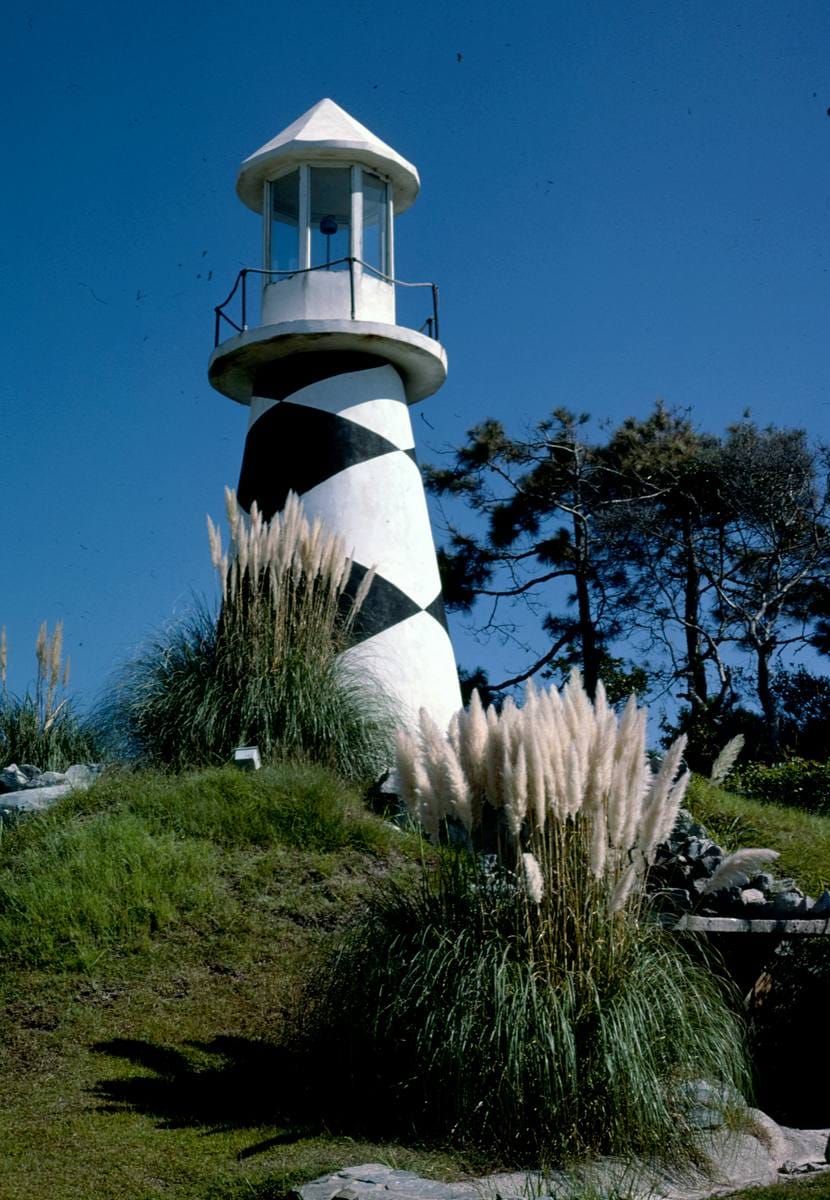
<point x="267" y="669"/>
<point x="442" y="1019"/>
<point x="798" y="783"/>
<point x="43" y="728"/>
<point x="516" y="999"/>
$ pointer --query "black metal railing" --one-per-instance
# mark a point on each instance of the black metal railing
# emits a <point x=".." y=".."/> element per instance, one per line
<point x="430" y="324"/>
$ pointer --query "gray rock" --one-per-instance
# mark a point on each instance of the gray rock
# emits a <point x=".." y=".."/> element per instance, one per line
<point x="705" y="866"/>
<point x="752" y="896"/>
<point x="821" y="908"/>
<point x="83" y="774"/>
<point x="35" y="790"/>
<point x="743" y="1158"/>
<point x="708" y="1104"/>
<point x="763" y="881"/>
<point x="683" y="824"/>
<point x="12" y="779"/>
<point x="791" y="1167"/>
<point x="34" y="799"/>
<point x="787" y="904"/>
<point x="783" y="885"/>
<point x="374" y="1178"/>
<point x="46" y="779"/>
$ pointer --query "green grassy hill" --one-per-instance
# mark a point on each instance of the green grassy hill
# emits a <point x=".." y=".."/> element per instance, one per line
<point x="155" y="933"/>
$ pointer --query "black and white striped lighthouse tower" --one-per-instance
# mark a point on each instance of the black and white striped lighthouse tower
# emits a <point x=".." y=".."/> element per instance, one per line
<point x="329" y="377"/>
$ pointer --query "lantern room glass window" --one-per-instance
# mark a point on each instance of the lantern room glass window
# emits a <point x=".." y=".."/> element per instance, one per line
<point x="285" y="241"/>
<point x="331" y="207"/>
<point x="375" y="223"/>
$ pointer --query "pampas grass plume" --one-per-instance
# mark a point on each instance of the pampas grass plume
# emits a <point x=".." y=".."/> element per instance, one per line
<point x="493" y="761"/>
<point x="405" y="757"/>
<point x="742" y="862"/>
<point x="40" y="650"/>
<point x="534" y="881"/>
<point x="726" y="760"/>
<point x="660" y="812"/>
<point x="574" y="783"/>
<point x="516" y="791"/>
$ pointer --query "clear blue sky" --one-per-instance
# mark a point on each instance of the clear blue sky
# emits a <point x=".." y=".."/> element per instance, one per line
<point x="620" y="202"/>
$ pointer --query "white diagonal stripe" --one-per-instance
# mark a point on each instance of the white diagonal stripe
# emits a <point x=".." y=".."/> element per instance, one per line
<point x="379" y="509"/>
<point x="414" y="663"/>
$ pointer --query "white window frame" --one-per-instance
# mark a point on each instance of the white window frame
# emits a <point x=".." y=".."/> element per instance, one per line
<point x="304" y="215"/>
<point x="385" y="268"/>
<point x="268" y="219"/>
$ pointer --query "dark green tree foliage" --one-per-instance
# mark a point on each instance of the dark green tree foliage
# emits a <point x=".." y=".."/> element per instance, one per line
<point x="665" y="534"/>
<point x="774" y="494"/>
<point x="803" y="705"/>
<point x="705" y="559"/>
<point x="541" y="498"/>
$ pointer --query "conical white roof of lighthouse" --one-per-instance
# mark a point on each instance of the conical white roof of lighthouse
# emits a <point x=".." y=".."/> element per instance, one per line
<point x="325" y="132"/>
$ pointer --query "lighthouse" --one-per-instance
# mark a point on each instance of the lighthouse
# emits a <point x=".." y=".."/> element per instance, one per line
<point x="310" y="343"/>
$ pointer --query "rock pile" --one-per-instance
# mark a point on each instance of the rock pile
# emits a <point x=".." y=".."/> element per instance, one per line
<point x="687" y="861"/>
<point x="26" y="788"/>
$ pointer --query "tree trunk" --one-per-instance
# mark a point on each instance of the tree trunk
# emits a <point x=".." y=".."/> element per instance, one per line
<point x="763" y="652"/>
<point x="587" y="626"/>
<point x="695" y="662"/>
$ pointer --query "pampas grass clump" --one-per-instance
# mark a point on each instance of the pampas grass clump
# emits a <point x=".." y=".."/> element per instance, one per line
<point x="43" y="727"/>
<point x="560" y="779"/>
<point x="516" y="999"/>
<point x="266" y="669"/>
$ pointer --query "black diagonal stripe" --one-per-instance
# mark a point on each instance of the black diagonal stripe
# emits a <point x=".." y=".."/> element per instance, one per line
<point x="294" y="447"/>
<point x="436" y="609"/>
<point x="278" y="380"/>
<point x="385" y="606"/>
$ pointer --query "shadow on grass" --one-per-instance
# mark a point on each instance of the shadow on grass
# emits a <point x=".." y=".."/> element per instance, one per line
<point x="227" y="1083"/>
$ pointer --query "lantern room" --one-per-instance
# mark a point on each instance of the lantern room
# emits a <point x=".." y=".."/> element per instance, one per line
<point x="328" y="191"/>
